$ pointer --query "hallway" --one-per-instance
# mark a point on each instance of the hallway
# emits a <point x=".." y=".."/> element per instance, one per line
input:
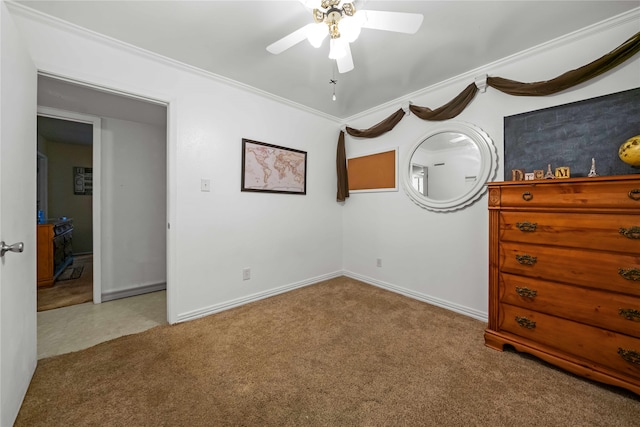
<point x="73" y="286"/>
<point x="77" y="327"/>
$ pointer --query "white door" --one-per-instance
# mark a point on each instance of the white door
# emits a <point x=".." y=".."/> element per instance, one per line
<point x="18" y="334"/>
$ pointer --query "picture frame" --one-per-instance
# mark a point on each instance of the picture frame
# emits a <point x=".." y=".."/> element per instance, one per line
<point x="373" y="172"/>
<point x="82" y="181"/>
<point x="269" y="168"/>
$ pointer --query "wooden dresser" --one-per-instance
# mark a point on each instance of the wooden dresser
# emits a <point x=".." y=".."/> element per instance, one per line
<point x="55" y="250"/>
<point x="564" y="274"/>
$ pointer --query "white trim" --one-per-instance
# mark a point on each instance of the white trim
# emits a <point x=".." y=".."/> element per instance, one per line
<point x="216" y="308"/>
<point x="143" y="53"/>
<point x="131" y="292"/>
<point x="101" y="88"/>
<point x="481" y="83"/>
<point x="172" y="207"/>
<point x="96" y="205"/>
<point x="467" y="311"/>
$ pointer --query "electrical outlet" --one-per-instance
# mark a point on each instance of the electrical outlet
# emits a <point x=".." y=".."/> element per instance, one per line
<point x="379" y="262"/>
<point x="205" y="185"/>
<point x="246" y="273"/>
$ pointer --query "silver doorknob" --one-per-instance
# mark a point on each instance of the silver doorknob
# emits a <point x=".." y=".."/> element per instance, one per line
<point x="16" y="247"/>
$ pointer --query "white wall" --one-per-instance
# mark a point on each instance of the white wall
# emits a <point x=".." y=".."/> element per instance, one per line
<point x="134" y="206"/>
<point x="443" y="257"/>
<point x="294" y="240"/>
<point x="61" y="200"/>
<point x="448" y="170"/>
<point x="286" y="240"/>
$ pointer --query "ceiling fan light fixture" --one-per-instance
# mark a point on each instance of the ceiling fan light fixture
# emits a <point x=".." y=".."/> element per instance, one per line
<point x="333" y="17"/>
<point x="330" y="13"/>
<point x="337" y="49"/>
<point x="318" y="16"/>
<point x="316" y="33"/>
<point x="326" y="4"/>
<point x="350" y="28"/>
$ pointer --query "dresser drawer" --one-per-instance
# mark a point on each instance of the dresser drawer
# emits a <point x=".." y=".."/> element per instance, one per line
<point x="608" y="310"/>
<point x="576" y="195"/>
<point x="600" y="270"/>
<point x="594" y="345"/>
<point x="619" y="233"/>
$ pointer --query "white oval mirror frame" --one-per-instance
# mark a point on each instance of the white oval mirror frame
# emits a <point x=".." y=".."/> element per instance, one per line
<point x="487" y="166"/>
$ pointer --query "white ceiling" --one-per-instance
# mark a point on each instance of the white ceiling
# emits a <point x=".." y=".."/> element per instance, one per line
<point x="63" y="131"/>
<point x="229" y="38"/>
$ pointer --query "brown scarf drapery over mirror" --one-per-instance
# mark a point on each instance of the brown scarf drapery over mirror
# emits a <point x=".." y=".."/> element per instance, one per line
<point x="511" y="87"/>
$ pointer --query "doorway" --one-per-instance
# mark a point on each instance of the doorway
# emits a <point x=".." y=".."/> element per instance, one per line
<point x="129" y="171"/>
<point x="64" y="202"/>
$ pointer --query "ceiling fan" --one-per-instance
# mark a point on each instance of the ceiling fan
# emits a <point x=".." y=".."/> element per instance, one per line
<point x="342" y="22"/>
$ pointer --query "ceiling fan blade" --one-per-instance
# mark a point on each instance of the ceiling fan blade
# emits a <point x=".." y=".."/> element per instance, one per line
<point x="345" y="64"/>
<point x="310" y="4"/>
<point x="399" y="22"/>
<point x="288" y="41"/>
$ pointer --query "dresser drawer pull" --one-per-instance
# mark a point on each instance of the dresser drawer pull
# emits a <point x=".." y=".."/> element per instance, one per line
<point x="526" y="292"/>
<point x="630" y="356"/>
<point x="630" y="273"/>
<point x="528" y="196"/>
<point x="525" y="323"/>
<point x="527" y="259"/>
<point x="631" y="233"/>
<point x="634" y="194"/>
<point x="531" y="226"/>
<point x="629" y="314"/>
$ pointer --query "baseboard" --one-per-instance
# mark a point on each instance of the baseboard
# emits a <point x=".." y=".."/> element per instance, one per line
<point x="126" y="293"/>
<point x="467" y="311"/>
<point x="216" y="308"/>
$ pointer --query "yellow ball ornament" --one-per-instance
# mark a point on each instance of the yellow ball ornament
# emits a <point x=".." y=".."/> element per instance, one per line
<point x="629" y="151"/>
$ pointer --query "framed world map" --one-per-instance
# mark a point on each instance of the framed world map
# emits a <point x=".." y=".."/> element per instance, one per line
<point x="273" y="169"/>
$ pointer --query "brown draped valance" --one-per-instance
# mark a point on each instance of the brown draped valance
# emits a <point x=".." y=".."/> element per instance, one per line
<point x="341" y="168"/>
<point x="383" y="127"/>
<point x="570" y="78"/>
<point x="454" y="107"/>
<point x="449" y="110"/>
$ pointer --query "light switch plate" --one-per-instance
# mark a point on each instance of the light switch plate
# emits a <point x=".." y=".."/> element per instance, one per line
<point x="205" y="185"/>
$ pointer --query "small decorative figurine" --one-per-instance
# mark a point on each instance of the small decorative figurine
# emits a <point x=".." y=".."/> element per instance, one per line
<point x="592" y="172"/>
<point x="549" y="174"/>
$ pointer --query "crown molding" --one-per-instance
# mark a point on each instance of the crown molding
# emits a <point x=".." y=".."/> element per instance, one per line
<point x="35" y="15"/>
<point x="472" y="75"/>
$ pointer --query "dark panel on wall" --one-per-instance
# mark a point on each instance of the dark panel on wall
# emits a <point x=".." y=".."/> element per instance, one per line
<point x="572" y="134"/>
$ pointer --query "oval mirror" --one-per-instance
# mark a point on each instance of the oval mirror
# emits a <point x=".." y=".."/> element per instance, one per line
<point x="447" y="168"/>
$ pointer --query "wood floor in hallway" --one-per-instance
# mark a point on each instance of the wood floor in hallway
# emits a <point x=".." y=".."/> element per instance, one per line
<point x="80" y="326"/>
